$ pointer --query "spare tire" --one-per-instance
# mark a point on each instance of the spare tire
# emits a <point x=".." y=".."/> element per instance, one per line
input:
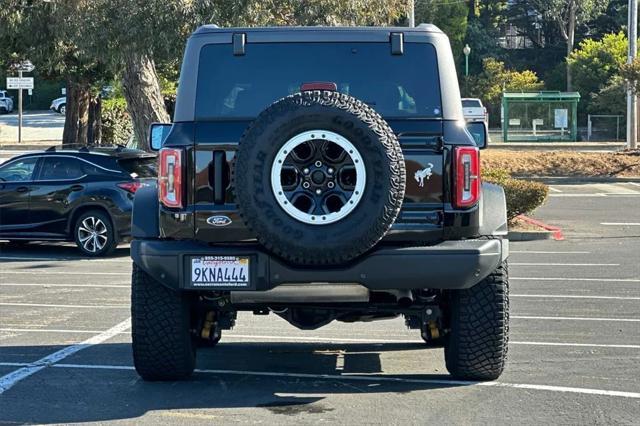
<point x="319" y="178"/>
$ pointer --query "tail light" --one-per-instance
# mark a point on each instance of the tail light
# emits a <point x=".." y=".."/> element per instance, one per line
<point x="467" y="172"/>
<point x="131" y="187"/>
<point x="170" y="177"/>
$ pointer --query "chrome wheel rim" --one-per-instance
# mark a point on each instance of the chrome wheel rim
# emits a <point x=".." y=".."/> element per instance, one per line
<point x="318" y="177"/>
<point x="93" y="234"/>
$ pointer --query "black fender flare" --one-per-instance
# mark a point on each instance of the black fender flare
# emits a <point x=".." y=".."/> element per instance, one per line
<point x="493" y="211"/>
<point x="144" y="217"/>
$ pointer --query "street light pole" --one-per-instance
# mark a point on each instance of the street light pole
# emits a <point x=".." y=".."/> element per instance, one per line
<point x="632" y="99"/>
<point x="412" y="13"/>
<point x="466" y="51"/>
<point x="20" y="109"/>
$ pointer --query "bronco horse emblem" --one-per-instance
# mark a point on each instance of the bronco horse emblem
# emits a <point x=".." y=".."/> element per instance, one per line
<point x="424" y="173"/>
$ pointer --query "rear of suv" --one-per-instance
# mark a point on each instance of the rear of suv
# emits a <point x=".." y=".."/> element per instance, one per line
<point x="319" y="174"/>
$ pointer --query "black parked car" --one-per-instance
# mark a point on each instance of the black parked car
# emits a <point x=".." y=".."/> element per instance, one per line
<point x="82" y="195"/>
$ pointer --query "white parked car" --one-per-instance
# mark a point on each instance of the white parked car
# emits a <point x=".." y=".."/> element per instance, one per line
<point x="6" y="102"/>
<point x="473" y="110"/>
<point x="59" y="105"/>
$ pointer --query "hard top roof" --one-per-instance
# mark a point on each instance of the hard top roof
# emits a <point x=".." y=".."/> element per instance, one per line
<point x="213" y="29"/>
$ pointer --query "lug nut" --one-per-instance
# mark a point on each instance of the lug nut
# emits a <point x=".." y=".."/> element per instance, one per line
<point x="318" y="163"/>
<point x="330" y="184"/>
<point x="305" y="185"/>
<point x="318" y="192"/>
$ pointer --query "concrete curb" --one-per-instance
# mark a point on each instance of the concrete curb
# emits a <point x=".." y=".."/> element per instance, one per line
<point x="556" y="233"/>
<point x="564" y="180"/>
<point x="530" y="235"/>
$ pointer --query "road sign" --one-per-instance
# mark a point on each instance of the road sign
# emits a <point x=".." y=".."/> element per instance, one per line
<point x="19" y="83"/>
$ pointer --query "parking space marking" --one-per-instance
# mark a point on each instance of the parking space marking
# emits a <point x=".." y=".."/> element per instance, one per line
<point x="46" y="305"/>
<point x="575" y="318"/>
<point x="573" y="296"/>
<point x="9" y="380"/>
<point x="634" y="183"/>
<point x="551" y="188"/>
<point x="325" y="340"/>
<point x="561" y="264"/>
<point x="579" y="345"/>
<point x="64" y="285"/>
<point x="65" y="259"/>
<point x="620" y="223"/>
<point x="547" y="252"/>
<point x="598" y="194"/>
<point x="62" y="273"/>
<point x="378" y="378"/>
<point x="613" y="188"/>
<point x="615" y="280"/>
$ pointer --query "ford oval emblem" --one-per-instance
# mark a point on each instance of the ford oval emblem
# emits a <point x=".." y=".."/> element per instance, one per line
<point x="219" y="221"/>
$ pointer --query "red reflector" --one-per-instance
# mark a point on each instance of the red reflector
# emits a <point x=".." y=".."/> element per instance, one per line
<point x="319" y="85"/>
<point x="170" y="177"/>
<point x="131" y="187"/>
<point x="466" y="191"/>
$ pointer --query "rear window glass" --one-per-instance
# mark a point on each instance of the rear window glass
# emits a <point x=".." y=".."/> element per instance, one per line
<point x="242" y="86"/>
<point x="140" y="167"/>
<point x="470" y="103"/>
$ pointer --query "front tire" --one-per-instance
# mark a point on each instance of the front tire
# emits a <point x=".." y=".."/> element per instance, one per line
<point x="163" y="346"/>
<point x="94" y="234"/>
<point x="476" y="347"/>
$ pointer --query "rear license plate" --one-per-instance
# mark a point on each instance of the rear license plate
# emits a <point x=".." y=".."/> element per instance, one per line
<point x="220" y="271"/>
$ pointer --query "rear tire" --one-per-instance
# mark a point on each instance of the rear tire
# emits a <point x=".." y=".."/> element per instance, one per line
<point x="476" y="347"/>
<point x="163" y="346"/>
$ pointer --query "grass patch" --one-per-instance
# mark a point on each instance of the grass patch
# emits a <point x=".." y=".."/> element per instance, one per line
<point x="562" y="163"/>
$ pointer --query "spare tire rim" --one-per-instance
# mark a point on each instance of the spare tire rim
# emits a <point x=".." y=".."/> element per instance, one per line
<point x="318" y="177"/>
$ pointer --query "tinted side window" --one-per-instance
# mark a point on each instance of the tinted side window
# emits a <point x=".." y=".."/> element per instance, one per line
<point x="242" y="86"/>
<point x="61" y="168"/>
<point x="140" y="167"/>
<point x="19" y="170"/>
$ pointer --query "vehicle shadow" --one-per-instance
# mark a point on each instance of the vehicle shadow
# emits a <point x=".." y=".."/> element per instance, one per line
<point x="54" y="251"/>
<point x="281" y="378"/>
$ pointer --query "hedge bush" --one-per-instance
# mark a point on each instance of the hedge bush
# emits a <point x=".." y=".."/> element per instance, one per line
<point x="522" y="196"/>
<point x="117" y="127"/>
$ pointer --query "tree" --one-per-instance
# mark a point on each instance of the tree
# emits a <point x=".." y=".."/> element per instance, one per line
<point x="595" y="64"/>
<point x="567" y="15"/>
<point x="451" y="18"/>
<point x="43" y="33"/>
<point x="496" y="79"/>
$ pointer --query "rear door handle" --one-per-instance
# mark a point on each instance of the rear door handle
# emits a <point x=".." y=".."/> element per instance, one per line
<point x="75" y="188"/>
<point x="22" y="189"/>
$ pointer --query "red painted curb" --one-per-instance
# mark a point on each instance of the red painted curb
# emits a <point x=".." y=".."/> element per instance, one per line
<point x="557" y="232"/>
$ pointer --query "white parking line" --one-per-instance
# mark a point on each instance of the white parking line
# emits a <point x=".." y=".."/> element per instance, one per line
<point x="634" y="183"/>
<point x="379" y="378"/>
<point x="43" y="273"/>
<point x="615" y="280"/>
<point x="620" y="223"/>
<point x="47" y="305"/>
<point x="613" y="188"/>
<point x="562" y="264"/>
<point x="576" y="318"/>
<point x="598" y="194"/>
<point x="573" y="296"/>
<point x="66" y="259"/>
<point x="325" y="340"/>
<point x="547" y="252"/>
<point x="551" y="188"/>
<point x="64" y="285"/>
<point x="579" y="345"/>
<point x="9" y="380"/>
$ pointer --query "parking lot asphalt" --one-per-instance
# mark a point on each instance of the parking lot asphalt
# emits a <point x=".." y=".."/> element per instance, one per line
<point x="36" y="126"/>
<point x="574" y="353"/>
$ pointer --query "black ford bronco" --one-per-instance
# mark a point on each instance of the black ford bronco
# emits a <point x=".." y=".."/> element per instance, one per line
<point x="319" y="174"/>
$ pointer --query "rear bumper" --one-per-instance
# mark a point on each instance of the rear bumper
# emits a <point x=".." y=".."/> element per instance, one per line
<point x="448" y="265"/>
